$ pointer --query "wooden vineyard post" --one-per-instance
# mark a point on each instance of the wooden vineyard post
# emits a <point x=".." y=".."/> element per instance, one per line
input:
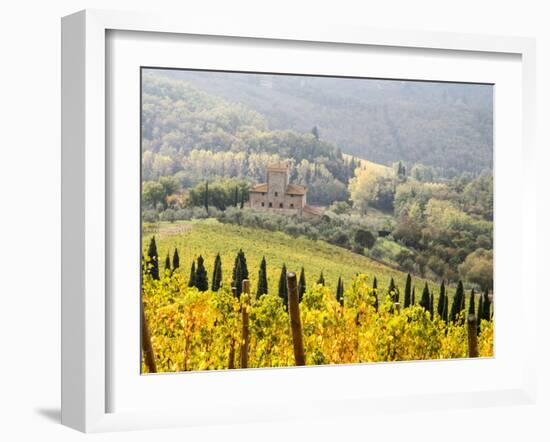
<point x="146" y="345"/>
<point x="231" y="362"/>
<point x="472" y="337"/>
<point x="245" y="338"/>
<point x="295" y="321"/>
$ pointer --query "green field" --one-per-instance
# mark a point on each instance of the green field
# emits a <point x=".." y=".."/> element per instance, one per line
<point x="209" y="237"/>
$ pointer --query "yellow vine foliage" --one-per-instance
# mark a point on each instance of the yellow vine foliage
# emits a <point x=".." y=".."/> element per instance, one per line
<point x="192" y="330"/>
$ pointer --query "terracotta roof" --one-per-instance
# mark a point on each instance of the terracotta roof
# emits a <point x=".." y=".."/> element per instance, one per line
<point x="295" y="189"/>
<point x="259" y="188"/>
<point x="281" y="167"/>
<point x="313" y="210"/>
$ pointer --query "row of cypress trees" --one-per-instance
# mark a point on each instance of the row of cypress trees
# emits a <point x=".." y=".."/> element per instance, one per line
<point x="199" y="278"/>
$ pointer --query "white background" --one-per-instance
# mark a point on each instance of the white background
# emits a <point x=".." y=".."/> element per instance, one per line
<point x="30" y="216"/>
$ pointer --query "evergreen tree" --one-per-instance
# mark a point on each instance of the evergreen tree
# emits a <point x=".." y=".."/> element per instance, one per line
<point x="217" y="274"/>
<point x="167" y="267"/>
<point x="479" y="312"/>
<point x="240" y="272"/>
<point x="283" y="288"/>
<point x="486" y="306"/>
<point x="321" y="279"/>
<point x="315" y="132"/>
<point x="340" y="291"/>
<point x="441" y="300"/>
<point x="431" y="305"/>
<point x="176" y="260"/>
<point x="393" y="291"/>
<point x="302" y="285"/>
<point x="458" y="302"/>
<point x="407" y="299"/>
<point x="413" y="300"/>
<point x="425" y="300"/>
<point x="472" y="306"/>
<point x="244" y="265"/>
<point x="153" y="257"/>
<point x="375" y="291"/>
<point x="236" y="196"/>
<point x="201" y="276"/>
<point x="262" y="279"/>
<point x="242" y="200"/>
<point x="445" y="315"/>
<point x="193" y="276"/>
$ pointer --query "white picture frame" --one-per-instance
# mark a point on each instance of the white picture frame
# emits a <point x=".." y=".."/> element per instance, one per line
<point x="85" y="217"/>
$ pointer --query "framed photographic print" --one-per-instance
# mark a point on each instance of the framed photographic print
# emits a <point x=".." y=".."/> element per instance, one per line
<point x="251" y="213"/>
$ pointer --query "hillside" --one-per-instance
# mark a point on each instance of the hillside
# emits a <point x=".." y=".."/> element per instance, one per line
<point x="445" y="125"/>
<point x="209" y="237"/>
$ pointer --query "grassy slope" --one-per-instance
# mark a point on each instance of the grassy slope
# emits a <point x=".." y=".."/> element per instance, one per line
<point x="380" y="168"/>
<point x="208" y="237"/>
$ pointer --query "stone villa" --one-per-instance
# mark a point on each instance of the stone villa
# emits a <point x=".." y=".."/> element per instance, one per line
<point x="277" y="194"/>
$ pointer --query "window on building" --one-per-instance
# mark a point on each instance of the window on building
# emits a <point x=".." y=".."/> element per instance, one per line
<point x="276" y="193"/>
<point x="263" y="204"/>
<point x="281" y="205"/>
<point x="270" y="205"/>
<point x="292" y="205"/>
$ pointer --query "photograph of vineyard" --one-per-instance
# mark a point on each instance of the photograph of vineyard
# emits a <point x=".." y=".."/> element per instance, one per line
<point x="306" y="220"/>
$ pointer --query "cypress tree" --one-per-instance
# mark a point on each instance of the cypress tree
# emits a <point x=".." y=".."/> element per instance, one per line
<point x="321" y="279"/>
<point x="425" y="300"/>
<point x="201" y="278"/>
<point x="441" y="300"/>
<point x="153" y="264"/>
<point x="391" y="288"/>
<point x="472" y="306"/>
<point x="340" y="291"/>
<point x="458" y="301"/>
<point x="283" y="289"/>
<point x="431" y="305"/>
<point x="217" y="274"/>
<point x="240" y="272"/>
<point x="445" y="315"/>
<point x="167" y="266"/>
<point x="407" y="300"/>
<point x="375" y="291"/>
<point x="242" y="200"/>
<point x="243" y="264"/>
<point x="393" y="291"/>
<point x="413" y="300"/>
<point x="479" y="312"/>
<point x="301" y="285"/>
<point x="192" y="277"/>
<point x="236" y="197"/>
<point x="176" y="260"/>
<point x="486" y="306"/>
<point x="262" y="279"/>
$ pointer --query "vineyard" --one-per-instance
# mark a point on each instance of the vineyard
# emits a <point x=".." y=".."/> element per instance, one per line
<point x="210" y="320"/>
<point x="209" y="237"/>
